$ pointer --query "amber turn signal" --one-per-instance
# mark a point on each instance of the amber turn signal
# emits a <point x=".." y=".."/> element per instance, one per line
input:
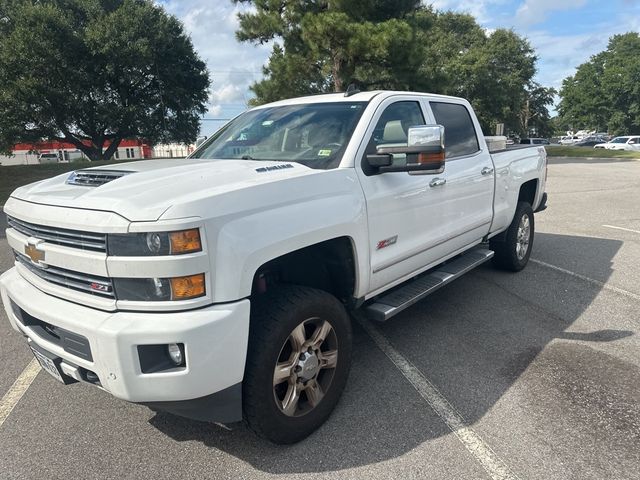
<point x="184" y="288"/>
<point x="431" y="157"/>
<point x="185" y="241"/>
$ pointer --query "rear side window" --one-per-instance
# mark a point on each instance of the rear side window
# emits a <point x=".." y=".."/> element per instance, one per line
<point x="459" y="134"/>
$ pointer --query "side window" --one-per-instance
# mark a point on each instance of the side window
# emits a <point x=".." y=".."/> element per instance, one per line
<point x="391" y="130"/>
<point x="459" y="134"/>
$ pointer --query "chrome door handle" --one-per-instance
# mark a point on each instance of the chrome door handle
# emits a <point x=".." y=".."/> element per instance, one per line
<point x="486" y="171"/>
<point x="437" y="182"/>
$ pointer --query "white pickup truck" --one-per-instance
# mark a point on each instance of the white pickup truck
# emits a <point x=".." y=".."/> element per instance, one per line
<point x="218" y="287"/>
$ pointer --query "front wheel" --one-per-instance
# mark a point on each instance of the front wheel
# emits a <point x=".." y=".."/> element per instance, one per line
<point x="297" y="363"/>
<point x="512" y="252"/>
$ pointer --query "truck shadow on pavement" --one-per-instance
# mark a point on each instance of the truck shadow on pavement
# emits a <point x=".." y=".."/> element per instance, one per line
<point x="476" y="340"/>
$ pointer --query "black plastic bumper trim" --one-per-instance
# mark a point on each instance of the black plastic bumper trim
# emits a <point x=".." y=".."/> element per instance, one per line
<point x="70" y="342"/>
<point x="224" y="406"/>
<point x="543" y="203"/>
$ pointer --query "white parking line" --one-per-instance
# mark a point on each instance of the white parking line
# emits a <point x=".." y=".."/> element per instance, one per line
<point x="622" y="228"/>
<point x="598" y="283"/>
<point x="17" y="390"/>
<point x="483" y="453"/>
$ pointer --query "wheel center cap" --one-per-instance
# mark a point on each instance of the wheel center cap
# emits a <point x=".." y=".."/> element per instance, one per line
<point x="309" y="366"/>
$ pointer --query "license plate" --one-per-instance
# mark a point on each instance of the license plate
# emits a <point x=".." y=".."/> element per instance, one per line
<point x="47" y="364"/>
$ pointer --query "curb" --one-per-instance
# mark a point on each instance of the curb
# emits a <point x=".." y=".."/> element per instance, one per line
<point x="596" y="158"/>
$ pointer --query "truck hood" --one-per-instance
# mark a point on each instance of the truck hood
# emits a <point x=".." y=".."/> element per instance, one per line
<point x="149" y="188"/>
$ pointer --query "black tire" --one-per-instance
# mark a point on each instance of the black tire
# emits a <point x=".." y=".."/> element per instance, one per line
<point x="274" y="316"/>
<point x="506" y="246"/>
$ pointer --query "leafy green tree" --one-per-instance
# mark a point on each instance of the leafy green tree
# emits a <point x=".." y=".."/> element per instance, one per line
<point x="93" y="72"/>
<point x="322" y="46"/>
<point x="605" y="91"/>
<point x="491" y="71"/>
<point x="535" y="112"/>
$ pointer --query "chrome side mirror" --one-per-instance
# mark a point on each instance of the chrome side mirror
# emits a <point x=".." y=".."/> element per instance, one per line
<point x="425" y="152"/>
<point x="426" y="138"/>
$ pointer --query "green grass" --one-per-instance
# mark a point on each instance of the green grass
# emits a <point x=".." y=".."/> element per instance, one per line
<point x="14" y="176"/>
<point x="569" y="151"/>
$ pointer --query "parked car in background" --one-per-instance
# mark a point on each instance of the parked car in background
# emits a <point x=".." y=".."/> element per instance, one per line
<point x="48" y="158"/>
<point x="627" y="142"/>
<point x="569" y="140"/>
<point x="590" y="141"/>
<point x="534" y="141"/>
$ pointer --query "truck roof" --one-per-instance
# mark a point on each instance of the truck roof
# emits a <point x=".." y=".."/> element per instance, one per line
<point x="356" y="97"/>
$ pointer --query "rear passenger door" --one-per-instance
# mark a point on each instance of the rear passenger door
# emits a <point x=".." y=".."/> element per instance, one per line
<point x="469" y="175"/>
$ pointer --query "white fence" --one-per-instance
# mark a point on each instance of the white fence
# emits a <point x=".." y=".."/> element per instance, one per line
<point x="172" y="150"/>
<point x="19" y="159"/>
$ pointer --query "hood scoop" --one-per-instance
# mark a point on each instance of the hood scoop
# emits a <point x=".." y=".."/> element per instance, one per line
<point x="94" y="178"/>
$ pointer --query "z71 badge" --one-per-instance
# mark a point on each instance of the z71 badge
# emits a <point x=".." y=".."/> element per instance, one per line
<point x="387" y="242"/>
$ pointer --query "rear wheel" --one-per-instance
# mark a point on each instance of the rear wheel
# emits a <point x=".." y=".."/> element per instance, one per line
<point x="513" y="250"/>
<point x="297" y="363"/>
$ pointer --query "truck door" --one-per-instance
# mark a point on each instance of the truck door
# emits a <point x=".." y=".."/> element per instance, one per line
<point x="405" y="213"/>
<point x="417" y="221"/>
<point x="469" y="175"/>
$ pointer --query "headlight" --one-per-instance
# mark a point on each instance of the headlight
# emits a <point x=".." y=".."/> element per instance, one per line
<point x="154" y="243"/>
<point x="159" y="289"/>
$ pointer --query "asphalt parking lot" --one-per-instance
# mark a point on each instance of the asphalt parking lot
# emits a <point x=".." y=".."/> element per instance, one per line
<point x="541" y="370"/>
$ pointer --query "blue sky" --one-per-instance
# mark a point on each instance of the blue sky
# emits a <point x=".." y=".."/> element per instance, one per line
<point x="564" y="33"/>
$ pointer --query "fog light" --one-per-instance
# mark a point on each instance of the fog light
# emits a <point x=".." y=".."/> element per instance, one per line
<point x="175" y="353"/>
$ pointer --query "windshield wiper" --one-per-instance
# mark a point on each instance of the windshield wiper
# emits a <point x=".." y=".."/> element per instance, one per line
<point x="247" y="157"/>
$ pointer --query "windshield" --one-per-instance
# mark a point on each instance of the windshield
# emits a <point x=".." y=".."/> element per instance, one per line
<point x="619" y="140"/>
<point x="312" y="134"/>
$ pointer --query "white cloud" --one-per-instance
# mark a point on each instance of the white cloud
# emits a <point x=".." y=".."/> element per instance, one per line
<point x="229" y="94"/>
<point x="560" y="55"/>
<point x="536" y="11"/>
<point x="477" y="8"/>
<point x="215" y="110"/>
<point x="233" y="65"/>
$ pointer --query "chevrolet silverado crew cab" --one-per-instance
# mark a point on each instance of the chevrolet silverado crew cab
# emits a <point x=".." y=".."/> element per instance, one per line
<point x="218" y="287"/>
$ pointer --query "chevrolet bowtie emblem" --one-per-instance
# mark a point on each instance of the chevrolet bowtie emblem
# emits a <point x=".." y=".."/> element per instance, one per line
<point x="34" y="253"/>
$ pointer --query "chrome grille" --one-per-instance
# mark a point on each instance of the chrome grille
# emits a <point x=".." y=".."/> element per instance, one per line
<point x="96" y="242"/>
<point x="82" y="282"/>
<point x="94" y="178"/>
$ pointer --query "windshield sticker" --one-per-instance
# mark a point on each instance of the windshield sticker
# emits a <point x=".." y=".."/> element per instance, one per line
<point x="324" y="153"/>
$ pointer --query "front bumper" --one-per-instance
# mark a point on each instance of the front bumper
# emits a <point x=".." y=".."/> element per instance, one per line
<point x="215" y="340"/>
